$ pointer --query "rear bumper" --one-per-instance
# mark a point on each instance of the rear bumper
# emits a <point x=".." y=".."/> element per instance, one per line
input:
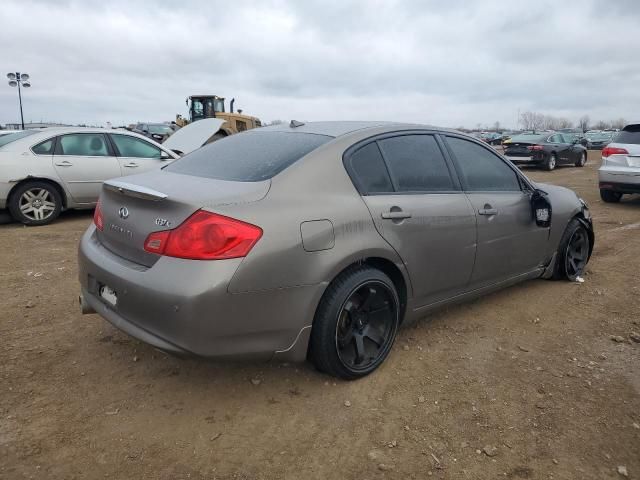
<point x="183" y="306"/>
<point x="530" y="160"/>
<point x="619" y="179"/>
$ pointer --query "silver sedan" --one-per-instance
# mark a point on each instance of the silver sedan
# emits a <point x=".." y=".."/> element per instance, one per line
<point x="319" y="240"/>
<point x="45" y="171"/>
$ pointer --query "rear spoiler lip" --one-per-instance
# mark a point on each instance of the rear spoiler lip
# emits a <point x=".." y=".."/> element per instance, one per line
<point x="137" y="191"/>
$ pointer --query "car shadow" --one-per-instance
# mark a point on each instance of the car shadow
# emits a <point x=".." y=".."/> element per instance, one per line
<point x="66" y="216"/>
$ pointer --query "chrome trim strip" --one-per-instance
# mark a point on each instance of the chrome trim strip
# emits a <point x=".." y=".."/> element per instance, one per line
<point x="136" y="191"/>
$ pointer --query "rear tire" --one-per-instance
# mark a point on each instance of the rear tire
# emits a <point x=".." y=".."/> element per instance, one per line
<point x="609" y="196"/>
<point x="573" y="252"/>
<point x="356" y="324"/>
<point x="35" y="203"/>
<point x="551" y="162"/>
<point x="582" y="161"/>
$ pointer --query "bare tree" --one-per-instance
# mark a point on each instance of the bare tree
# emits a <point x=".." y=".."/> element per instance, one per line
<point x="619" y="123"/>
<point x="601" y="125"/>
<point x="532" y="121"/>
<point x="496" y="126"/>
<point x="564" y="123"/>
<point x="583" y="123"/>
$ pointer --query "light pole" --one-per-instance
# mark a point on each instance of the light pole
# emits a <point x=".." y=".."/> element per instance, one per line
<point x="15" y="80"/>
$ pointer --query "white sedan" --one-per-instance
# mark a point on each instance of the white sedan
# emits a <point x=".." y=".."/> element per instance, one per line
<point x="45" y="171"/>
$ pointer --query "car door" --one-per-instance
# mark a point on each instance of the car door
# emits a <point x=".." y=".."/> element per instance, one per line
<point x="137" y="155"/>
<point x="562" y="149"/>
<point x="574" y="149"/>
<point x="418" y="207"/>
<point x="83" y="161"/>
<point x="509" y="242"/>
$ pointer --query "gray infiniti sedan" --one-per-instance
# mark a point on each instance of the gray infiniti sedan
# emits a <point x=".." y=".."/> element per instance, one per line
<point x="320" y="240"/>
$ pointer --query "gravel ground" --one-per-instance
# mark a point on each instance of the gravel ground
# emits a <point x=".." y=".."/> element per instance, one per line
<point x="538" y="381"/>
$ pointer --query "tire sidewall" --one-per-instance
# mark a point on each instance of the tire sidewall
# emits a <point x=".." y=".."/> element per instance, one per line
<point x="561" y="262"/>
<point x="14" y="203"/>
<point x="552" y="162"/>
<point x="323" y="343"/>
<point x="583" y="160"/>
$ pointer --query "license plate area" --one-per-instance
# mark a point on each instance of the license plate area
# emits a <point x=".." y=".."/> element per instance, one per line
<point x="108" y="294"/>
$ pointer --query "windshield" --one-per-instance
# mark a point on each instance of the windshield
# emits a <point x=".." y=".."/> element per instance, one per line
<point x="161" y="129"/>
<point x="248" y="157"/>
<point x="12" y="137"/>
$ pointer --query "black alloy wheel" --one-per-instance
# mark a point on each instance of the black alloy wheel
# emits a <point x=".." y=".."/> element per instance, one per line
<point x="577" y="253"/>
<point x="355" y="324"/>
<point x="366" y="325"/>
<point x="573" y="252"/>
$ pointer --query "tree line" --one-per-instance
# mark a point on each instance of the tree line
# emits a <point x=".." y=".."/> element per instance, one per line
<point x="539" y="121"/>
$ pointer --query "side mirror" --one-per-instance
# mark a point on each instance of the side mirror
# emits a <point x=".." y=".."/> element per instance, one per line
<point x="165" y="156"/>
<point x="541" y="208"/>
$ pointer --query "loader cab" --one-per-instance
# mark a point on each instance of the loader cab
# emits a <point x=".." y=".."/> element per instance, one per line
<point x="204" y="106"/>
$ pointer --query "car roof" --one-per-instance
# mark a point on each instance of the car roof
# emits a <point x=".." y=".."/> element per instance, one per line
<point x="340" y="128"/>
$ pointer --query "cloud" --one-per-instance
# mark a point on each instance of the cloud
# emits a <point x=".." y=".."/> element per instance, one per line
<point x="427" y="61"/>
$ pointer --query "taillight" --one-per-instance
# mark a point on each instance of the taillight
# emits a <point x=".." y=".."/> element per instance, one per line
<point x="607" y="151"/>
<point x="535" y="147"/>
<point x="205" y="236"/>
<point x="97" y="217"/>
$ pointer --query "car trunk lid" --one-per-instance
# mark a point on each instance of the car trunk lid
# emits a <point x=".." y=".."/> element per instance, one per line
<point x="135" y="206"/>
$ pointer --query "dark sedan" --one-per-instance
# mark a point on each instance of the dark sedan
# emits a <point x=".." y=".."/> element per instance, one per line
<point x="597" y="141"/>
<point x="546" y="150"/>
<point x="156" y="131"/>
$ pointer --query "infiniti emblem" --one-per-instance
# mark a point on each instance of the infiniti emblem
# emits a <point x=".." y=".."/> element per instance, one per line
<point x="123" y="212"/>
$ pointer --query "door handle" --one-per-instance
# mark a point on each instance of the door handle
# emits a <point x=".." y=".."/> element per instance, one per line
<point x="398" y="215"/>
<point x="488" y="211"/>
<point x="130" y="165"/>
<point x="64" y="163"/>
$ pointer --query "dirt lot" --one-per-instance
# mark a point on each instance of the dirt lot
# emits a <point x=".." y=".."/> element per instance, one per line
<point x="526" y="383"/>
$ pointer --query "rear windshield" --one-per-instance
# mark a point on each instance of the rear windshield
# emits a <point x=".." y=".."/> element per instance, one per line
<point x="528" y="138"/>
<point x="160" y="129"/>
<point x="248" y="157"/>
<point x="12" y="137"/>
<point x="630" y="134"/>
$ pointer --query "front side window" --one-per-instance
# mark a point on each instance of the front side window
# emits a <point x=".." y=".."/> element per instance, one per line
<point x="368" y="170"/>
<point x="416" y="163"/>
<point x="44" y="148"/>
<point x="480" y="169"/>
<point x="83" y="144"/>
<point x="135" y="147"/>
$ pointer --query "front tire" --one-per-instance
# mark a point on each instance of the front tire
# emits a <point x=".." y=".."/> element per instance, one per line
<point x="356" y="324"/>
<point x="609" y="196"/>
<point x="573" y="252"/>
<point x="35" y="203"/>
<point x="551" y="162"/>
<point x="582" y="161"/>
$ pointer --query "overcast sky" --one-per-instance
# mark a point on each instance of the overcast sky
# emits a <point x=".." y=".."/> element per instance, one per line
<point x="445" y="63"/>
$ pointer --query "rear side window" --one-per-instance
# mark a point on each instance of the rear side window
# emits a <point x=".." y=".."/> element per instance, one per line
<point x="248" y="157"/>
<point x="368" y="170"/>
<point x="416" y="163"/>
<point x="630" y="134"/>
<point x="481" y="170"/>
<point x="83" y="144"/>
<point x="44" y="148"/>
